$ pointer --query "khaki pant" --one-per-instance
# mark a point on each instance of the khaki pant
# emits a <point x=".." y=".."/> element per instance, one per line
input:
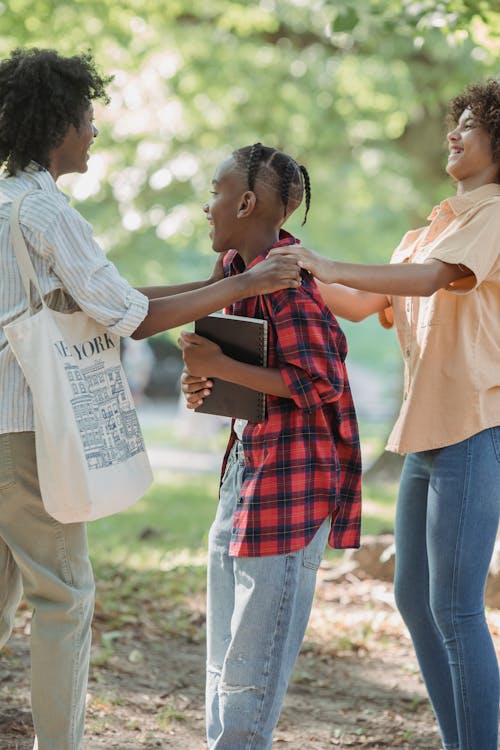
<point x="49" y="560"/>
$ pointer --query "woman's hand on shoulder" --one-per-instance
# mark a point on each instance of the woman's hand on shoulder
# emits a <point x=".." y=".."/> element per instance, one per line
<point x="321" y="268"/>
<point x="272" y="274"/>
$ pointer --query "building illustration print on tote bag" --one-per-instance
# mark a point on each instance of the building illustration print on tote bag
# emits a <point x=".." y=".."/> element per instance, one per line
<point x="104" y="413"/>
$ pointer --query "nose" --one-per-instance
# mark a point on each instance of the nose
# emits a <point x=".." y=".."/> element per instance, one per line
<point x="454" y="134"/>
<point x="205" y="208"/>
<point x="95" y="131"/>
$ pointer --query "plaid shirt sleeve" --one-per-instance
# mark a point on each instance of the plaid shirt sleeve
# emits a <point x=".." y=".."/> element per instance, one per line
<point x="310" y="348"/>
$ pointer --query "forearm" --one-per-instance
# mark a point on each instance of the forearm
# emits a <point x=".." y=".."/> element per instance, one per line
<point x="391" y="279"/>
<point x="175" y="310"/>
<point x="155" y="292"/>
<point x="172" y="311"/>
<point x="266" y="379"/>
<point x="398" y="279"/>
<point x="351" y="304"/>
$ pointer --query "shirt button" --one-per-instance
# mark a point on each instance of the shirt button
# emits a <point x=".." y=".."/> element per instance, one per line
<point x="408" y="352"/>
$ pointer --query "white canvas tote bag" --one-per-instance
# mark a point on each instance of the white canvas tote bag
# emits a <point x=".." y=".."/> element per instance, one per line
<point x="90" y="450"/>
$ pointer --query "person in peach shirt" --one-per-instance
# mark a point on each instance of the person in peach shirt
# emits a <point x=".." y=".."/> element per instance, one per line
<point x="442" y="292"/>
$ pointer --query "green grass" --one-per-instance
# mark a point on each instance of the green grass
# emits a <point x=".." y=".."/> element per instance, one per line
<point x="167" y="527"/>
<point x="150" y="564"/>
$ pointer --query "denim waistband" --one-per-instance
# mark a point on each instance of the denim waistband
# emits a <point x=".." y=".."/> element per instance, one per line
<point x="237" y="453"/>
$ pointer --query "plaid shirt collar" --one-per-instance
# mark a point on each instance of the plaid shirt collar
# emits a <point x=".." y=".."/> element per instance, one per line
<point x="237" y="263"/>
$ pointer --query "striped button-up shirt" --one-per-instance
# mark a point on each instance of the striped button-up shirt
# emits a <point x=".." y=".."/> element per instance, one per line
<point x="303" y="463"/>
<point x="72" y="271"/>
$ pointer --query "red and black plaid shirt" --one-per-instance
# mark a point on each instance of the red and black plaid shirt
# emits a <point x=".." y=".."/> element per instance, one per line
<point x="303" y="463"/>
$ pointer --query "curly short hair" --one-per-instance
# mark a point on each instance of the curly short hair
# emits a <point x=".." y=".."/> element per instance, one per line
<point x="41" y="95"/>
<point x="483" y="99"/>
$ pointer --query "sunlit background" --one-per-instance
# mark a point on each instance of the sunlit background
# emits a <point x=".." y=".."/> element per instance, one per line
<point x="354" y="90"/>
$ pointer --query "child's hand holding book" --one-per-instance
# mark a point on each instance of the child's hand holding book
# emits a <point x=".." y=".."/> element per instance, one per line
<point x="233" y="351"/>
<point x="195" y="389"/>
<point x="201" y="356"/>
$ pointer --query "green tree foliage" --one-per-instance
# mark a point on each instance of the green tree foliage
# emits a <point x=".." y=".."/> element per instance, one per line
<point x="354" y="89"/>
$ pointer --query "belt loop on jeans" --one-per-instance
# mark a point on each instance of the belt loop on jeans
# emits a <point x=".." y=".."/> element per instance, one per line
<point x="240" y="454"/>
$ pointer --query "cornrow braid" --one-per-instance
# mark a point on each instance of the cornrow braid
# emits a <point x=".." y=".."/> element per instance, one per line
<point x="253" y="164"/>
<point x="307" y="190"/>
<point x="286" y="179"/>
<point x="276" y="171"/>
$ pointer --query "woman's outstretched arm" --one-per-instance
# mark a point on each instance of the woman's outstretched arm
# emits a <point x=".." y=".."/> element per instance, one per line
<point x="374" y="281"/>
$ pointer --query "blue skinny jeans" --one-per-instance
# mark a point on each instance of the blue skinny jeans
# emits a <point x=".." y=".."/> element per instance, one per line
<point x="446" y="525"/>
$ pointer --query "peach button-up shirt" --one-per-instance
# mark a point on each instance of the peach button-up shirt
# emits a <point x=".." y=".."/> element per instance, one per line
<point x="451" y="340"/>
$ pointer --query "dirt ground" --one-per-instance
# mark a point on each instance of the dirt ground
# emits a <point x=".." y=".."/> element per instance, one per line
<point x="356" y="683"/>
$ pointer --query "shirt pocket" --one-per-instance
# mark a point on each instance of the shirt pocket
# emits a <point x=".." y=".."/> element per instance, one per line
<point x="7" y="478"/>
<point x="438" y="309"/>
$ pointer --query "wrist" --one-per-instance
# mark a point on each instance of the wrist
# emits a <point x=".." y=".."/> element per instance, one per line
<point x="244" y="285"/>
<point x="219" y="365"/>
<point x="330" y="271"/>
<point x="214" y="278"/>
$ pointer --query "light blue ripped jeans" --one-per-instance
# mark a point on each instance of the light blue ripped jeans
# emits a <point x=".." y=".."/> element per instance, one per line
<point x="446" y="526"/>
<point x="257" y="613"/>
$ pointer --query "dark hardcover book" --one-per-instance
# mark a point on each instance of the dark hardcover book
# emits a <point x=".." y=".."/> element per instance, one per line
<point x="244" y="339"/>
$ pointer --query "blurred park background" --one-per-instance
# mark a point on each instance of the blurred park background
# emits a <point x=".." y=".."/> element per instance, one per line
<point x="354" y="89"/>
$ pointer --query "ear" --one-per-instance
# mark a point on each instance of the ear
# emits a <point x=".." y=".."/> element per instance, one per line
<point x="247" y="204"/>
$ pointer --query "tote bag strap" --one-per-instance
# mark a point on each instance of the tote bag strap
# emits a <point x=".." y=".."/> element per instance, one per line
<point x="26" y="268"/>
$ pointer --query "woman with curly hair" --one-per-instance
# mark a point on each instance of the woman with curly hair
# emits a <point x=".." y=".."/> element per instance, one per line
<point x="46" y="130"/>
<point x="442" y="292"/>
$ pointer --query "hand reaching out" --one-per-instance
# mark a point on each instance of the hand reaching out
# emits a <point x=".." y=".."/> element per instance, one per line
<point x="318" y="266"/>
<point x="273" y="273"/>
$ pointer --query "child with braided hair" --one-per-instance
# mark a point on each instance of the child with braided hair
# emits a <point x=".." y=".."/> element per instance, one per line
<point x="289" y="483"/>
